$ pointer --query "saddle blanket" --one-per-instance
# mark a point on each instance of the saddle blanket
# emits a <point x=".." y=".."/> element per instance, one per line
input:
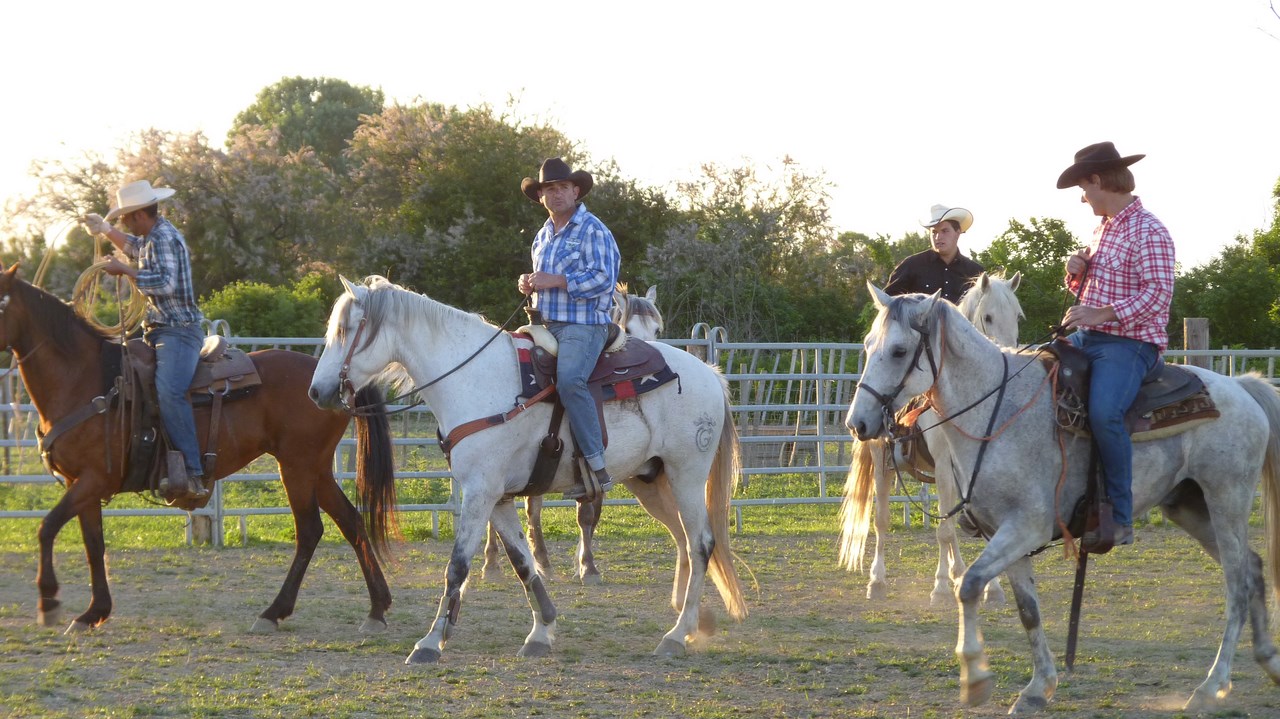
<point x="624" y="389"/>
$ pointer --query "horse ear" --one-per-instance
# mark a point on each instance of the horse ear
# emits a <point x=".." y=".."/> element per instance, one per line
<point x="346" y="284"/>
<point x="652" y="294"/>
<point x="984" y="281"/>
<point x="1015" y="281"/>
<point x="878" y="296"/>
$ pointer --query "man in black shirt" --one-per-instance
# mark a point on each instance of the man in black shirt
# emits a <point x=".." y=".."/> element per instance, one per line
<point x="942" y="267"/>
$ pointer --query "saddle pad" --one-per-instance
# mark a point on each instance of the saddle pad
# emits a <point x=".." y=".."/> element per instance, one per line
<point x="530" y="383"/>
<point x="1157" y="423"/>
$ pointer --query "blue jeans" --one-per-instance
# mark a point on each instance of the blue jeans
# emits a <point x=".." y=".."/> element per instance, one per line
<point x="1116" y="368"/>
<point x="580" y="348"/>
<point x="177" y="353"/>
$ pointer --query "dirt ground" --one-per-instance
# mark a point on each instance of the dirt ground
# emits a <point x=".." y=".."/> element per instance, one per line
<point x="814" y="646"/>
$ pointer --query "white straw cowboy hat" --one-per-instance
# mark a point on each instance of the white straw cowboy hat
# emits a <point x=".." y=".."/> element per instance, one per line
<point x="942" y="213"/>
<point x="137" y="195"/>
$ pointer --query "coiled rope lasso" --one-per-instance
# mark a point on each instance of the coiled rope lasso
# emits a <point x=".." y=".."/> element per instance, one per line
<point x="92" y="297"/>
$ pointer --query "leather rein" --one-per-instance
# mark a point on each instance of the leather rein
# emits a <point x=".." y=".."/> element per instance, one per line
<point x="99" y="405"/>
<point x="886" y="401"/>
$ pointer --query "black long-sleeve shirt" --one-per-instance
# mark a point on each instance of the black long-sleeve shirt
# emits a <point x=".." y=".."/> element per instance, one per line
<point x="926" y="272"/>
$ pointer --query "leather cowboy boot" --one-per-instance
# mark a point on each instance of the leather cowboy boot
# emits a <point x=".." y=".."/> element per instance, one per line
<point x="177" y="484"/>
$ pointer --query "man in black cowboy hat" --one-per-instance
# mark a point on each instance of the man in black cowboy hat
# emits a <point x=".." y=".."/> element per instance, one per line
<point x="942" y="266"/>
<point x="1124" y="282"/>
<point x="575" y="268"/>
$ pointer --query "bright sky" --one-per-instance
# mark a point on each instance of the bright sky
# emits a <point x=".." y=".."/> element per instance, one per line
<point x="900" y="103"/>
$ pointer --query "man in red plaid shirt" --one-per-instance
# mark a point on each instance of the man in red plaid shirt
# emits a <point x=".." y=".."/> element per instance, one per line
<point x="1124" y="281"/>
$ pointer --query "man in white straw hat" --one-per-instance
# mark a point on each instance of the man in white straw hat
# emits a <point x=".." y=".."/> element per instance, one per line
<point x="575" y="269"/>
<point x="942" y="267"/>
<point x="172" y="322"/>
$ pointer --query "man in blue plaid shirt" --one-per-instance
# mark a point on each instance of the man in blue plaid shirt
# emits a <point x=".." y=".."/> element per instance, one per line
<point x="575" y="269"/>
<point x="172" y="323"/>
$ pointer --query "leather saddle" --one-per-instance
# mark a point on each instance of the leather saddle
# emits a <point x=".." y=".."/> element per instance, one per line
<point x="621" y="361"/>
<point x="223" y="374"/>
<point x="1171" y="400"/>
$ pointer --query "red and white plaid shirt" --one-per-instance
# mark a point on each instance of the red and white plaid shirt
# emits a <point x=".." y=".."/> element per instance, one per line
<point x="1131" y="269"/>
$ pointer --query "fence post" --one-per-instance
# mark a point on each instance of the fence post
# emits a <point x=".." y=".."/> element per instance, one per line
<point x="1195" y="336"/>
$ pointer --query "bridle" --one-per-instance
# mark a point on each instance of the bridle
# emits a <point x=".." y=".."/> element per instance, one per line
<point x="886" y="400"/>
<point x="4" y="340"/>
<point x="347" y="388"/>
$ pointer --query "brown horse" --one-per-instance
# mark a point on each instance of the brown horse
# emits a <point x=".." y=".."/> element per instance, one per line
<point x="61" y="358"/>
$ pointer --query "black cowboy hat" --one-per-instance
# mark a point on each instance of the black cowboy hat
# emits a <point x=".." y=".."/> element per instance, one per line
<point x="554" y="170"/>
<point x="1092" y="159"/>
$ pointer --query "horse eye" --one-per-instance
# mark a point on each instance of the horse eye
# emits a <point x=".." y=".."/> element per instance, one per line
<point x="898" y="352"/>
<point x="986" y="318"/>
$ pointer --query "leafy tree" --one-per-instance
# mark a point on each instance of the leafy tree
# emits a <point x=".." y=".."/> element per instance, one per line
<point x="1037" y="250"/>
<point x="317" y="113"/>
<point x="438" y="192"/>
<point x="248" y="213"/>
<point x="1237" y="291"/>
<point x="256" y="309"/>
<point x="744" y="256"/>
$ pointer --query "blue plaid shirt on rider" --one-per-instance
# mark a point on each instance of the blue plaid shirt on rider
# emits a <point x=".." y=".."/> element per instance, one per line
<point x="587" y="255"/>
<point x="164" y="275"/>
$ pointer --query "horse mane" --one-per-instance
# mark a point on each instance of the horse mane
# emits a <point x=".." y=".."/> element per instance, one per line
<point x="57" y="317"/>
<point x="389" y="302"/>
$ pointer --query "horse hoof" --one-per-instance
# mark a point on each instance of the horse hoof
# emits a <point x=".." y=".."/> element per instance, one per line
<point x="1203" y="700"/>
<point x="373" y="626"/>
<point x="262" y="625"/>
<point x="1272" y="667"/>
<point x="976" y="693"/>
<point x="78" y="627"/>
<point x="942" y="600"/>
<point x="534" y="650"/>
<point x="669" y="648"/>
<point x="1029" y="705"/>
<point x="50" y="618"/>
<point x="592" y="579"/>
<point x="422" y="656"/>
<point x="706" y="621"/>
<point x="877" y="591"/>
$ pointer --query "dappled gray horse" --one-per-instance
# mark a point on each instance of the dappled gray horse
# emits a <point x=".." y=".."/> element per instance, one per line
<point x="1204" y="479"/>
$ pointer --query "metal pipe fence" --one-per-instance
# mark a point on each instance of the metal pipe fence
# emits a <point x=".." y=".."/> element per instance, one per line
<point x="789" y="401"/>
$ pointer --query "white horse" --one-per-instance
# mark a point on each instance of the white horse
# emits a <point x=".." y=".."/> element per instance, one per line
<point x="676" y="446"/>
<point x="1204" y="479"/>
<point x="992" y="306"/>
<point x="639" y="316"/>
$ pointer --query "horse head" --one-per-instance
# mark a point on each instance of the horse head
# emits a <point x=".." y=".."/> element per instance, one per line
<point x="353" y="356"/>
<point x="903" y="352"/>
<point x="992" y="306"/>
<point x="639" y="316"/>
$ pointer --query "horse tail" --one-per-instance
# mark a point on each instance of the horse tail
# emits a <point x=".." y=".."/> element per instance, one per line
<point x="725" y="470"/>
<point x="1268" y="398"/>
<point x="855" y="510"/>
<point x="375" y="471"/>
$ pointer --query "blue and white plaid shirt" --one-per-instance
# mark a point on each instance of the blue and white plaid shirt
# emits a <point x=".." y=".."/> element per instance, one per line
<point x="586" y="254"/>
<point x="164" y="275"/>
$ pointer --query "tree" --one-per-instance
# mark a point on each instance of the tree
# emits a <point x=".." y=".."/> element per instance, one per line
<point x="256" y="309"/>
<point x="743" y="256"/>
<point x="250" y="213"/>
<point x="1037" y="250"/>
<point x="317" y="113"/>
<point x="438" y="192"/>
